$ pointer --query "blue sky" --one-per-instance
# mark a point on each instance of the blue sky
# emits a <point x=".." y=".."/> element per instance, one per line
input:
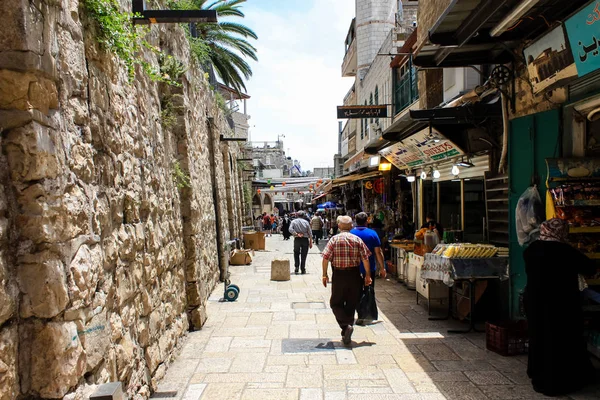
<point x="297" y="83"/>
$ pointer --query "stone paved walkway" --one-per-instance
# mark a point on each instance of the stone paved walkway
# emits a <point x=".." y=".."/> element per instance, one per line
<point x="279" y="340"/>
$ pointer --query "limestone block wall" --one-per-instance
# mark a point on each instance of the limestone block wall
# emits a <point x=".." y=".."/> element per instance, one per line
<point x="105" y="261"/>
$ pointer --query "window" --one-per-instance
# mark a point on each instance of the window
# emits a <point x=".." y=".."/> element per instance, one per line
<point x="377" y="101"/>
<point x="371" y="103"/>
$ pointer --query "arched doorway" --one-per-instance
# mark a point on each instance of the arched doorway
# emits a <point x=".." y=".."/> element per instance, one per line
<point x="268" y="204"/>
<point x="256" y="206"/>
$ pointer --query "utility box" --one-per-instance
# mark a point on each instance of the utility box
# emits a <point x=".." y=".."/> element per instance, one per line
<point x="280" y="270"/>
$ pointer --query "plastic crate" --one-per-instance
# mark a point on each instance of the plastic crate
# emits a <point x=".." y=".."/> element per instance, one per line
<point x="507" y="338"/>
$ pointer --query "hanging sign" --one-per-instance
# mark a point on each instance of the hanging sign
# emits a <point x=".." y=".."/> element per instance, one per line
<point x="420" y="149"/>
<point x="582" y="29"/>
<point x="344" y="112"/>
<point x="550" y="62"/>
<point x="369" y="185"/>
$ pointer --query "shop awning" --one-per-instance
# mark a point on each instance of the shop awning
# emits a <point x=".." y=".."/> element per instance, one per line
<point x="448" y="57"/>
<point x="375" y="145"/>
<point x="355" y="158"/>
<point x="355" y="177"/>
<point x="471" y="32"/>
<point x="318" y="197"/>
<point x="465" y="114"/>
<point x="402" y="128"/>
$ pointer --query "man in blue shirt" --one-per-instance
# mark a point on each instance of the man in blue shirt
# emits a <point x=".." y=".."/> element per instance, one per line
<point x="371" y="239"/>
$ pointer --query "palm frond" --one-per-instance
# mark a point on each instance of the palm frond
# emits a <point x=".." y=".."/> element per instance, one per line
<point x="238" y="28"/>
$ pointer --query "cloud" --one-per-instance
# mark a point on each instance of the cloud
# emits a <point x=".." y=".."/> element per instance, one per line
<point x="297" y="83"/>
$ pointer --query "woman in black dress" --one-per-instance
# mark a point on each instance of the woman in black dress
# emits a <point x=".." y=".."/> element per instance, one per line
<point x="558" y="361"/>
<point x="285" y="227"/>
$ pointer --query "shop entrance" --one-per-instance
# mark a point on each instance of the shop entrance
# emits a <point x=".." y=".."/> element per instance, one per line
<point x="474" y="197"/>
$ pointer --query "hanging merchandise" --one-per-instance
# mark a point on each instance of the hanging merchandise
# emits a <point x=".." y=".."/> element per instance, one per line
<point x="283" y="184"/>
<point x="529" y="215"/>
<point x="369" y="185"/>
<point x="269" y="181"/>
<point x="272" y="187"/>
<point x="258" y="191"/>
<point x="378" y="186"/>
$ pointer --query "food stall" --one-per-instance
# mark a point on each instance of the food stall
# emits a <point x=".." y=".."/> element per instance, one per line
<point x="472" y="265"/>
<point x="574" y="185"/>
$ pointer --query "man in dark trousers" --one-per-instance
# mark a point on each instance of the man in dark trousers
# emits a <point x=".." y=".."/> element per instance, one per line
<point x="345" y="251"/>
<point x="300" y="229"/>
<point x="371" y="239"/>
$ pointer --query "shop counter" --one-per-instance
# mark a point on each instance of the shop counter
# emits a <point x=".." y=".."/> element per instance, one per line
<point x="451" y="270"/>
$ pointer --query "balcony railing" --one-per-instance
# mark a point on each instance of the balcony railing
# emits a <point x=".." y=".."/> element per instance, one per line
<point x="406" y="90"/>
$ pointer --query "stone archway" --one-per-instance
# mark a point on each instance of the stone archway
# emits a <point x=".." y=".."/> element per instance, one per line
<point x="256" y="205"/>
<point x="268" y="204"/>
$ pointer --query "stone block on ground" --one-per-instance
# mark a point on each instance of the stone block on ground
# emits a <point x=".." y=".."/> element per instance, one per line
<point x="280" y="270"/>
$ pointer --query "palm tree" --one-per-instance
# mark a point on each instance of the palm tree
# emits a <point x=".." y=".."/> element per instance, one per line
<point x="226" y="42"/>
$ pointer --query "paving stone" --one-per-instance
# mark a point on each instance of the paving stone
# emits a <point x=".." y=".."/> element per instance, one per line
<point x="304" y="376"/>
<point x="248" y="362"/>
<point x="487" y="378"/>
<point x="245" y="377"/>
<point x="277" y="332"/>
<point x="222" y="391"/>
<point x="207" y="365"/>
<point x="280" y="340"/>
<point x="437" y="352"/>
<point x="270" y="394"/>
<point x="322" y="359"/>
<point x="249" y="343"/>
<point x="335" y="395"/>
<point x="311" y="394"/>
<point x="463" y="366"/>
<point x="461" y="391"/>
<point x="218" y="344"/>
<point x="345" y="372"/>
<point x="345" y="357"/>
<point x="398" y="381"/>
<point x="287" y="360"/>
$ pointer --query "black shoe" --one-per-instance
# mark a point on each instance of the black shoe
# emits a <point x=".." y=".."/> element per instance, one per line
<point x="296" y="271"/>
<point x="303" y="272"/>
<point x="347" y="339"/>
<point x="360" y="322"/>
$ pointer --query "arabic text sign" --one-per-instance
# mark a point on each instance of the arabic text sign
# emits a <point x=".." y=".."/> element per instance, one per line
<point x="344" y="112"/>
<point x="419" y="150"/>
<point x="583" y="30"/>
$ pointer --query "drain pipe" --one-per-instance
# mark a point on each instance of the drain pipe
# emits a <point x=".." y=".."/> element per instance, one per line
<point x="504" y="153"/>
<point x="215" y="195"/>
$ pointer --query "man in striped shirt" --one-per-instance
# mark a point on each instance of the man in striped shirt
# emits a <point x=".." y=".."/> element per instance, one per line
<point x="345" y="251"/>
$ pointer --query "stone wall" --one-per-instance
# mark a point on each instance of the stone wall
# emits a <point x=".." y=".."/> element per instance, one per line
<point x="106" y="259"/>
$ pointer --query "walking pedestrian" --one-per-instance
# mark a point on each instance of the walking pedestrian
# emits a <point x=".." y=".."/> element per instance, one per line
<point x="372" y="241"/>
<point x="316" y="224"/>
<point x="286" y="227"/>
<point x="273" y="224"/>
<point x="267" y="224"/>
<point x="300" y="229"/>
<point x="558" y="362"/>
<point x="326" y="227"/>
<point x="345" y="251"/>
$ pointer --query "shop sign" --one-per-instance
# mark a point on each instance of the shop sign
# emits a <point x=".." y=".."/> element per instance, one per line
<point x="420" y="149"/>
<point x="549" y="60"/>
<point x="344" y="112"/>
<point x="582" y="29"/>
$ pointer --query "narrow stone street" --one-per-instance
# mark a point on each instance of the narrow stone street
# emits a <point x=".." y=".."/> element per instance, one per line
<point x="279" y="340"/>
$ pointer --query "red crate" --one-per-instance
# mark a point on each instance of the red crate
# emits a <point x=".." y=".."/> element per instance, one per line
<point x="507" y="338"/>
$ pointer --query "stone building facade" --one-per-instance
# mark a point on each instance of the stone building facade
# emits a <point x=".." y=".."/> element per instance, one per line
<point x="112" y="225"/>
